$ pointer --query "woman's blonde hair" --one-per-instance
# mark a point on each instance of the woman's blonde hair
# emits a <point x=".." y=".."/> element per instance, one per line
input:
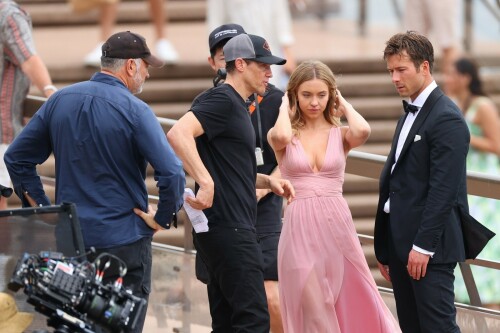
<point x="306" y="71"/>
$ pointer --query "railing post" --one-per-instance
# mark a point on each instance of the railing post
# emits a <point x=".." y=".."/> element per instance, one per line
<point x="188" y="236"/>
<point x="468" y="34"/>
<point x="362" y="18"/>
<point x="470" y="284"/>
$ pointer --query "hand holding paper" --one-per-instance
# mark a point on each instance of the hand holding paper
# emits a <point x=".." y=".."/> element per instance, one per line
<point x="196" y="216"/>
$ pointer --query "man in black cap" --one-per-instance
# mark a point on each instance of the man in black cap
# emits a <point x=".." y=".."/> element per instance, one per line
<point x="216" y="142"/>
<point x="217" y="39"/>
<point x="103" y="137"/>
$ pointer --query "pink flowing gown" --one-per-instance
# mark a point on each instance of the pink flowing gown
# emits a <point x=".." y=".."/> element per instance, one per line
<point x="324" y="280"/>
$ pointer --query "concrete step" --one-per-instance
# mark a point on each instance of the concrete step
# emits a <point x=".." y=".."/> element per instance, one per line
<point x="376" y="148"/>
<point x="57" y="13"/>
<point x="376" y="85"/>
<point x="357" y="184"/>
<point x="372" y="95"/>
<point x="364" y="225"/>
<point x="369" y="255"/>
<point x="64" y="74"/>
<point x="382" y="130"/>
<point x="162" y="91"/>
<point x="362" y="204"/>
<point x="353" y="184"/>
<point x="385" y="115"/>
<point x="381" y="108"/>
<point x="378" y="107"/>
<point x="379" y="279"/>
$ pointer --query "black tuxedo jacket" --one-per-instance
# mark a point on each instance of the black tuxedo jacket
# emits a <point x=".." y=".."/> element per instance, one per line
<point x="427" y="185"/>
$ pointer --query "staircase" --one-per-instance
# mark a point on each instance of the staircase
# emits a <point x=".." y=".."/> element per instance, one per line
<point x="357" y="61"/>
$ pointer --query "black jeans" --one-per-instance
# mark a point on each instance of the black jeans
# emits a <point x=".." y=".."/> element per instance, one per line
<point x="236" y="283"/>
<point x="138" y="258"/>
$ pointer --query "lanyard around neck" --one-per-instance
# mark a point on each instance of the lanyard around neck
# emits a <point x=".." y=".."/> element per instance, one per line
<point x="255" y="107"/>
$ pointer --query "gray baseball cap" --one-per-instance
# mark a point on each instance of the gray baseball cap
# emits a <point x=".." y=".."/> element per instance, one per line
<point x="250" y="47"/>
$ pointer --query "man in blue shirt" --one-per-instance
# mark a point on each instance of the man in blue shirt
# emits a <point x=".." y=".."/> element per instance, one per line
<point x="103" y="137"/>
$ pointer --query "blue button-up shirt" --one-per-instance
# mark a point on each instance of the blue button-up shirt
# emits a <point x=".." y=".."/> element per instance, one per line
<point x="102" y="138"/>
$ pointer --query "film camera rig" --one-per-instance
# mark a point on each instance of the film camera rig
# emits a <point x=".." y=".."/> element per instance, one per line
<point x="70" y="292"/>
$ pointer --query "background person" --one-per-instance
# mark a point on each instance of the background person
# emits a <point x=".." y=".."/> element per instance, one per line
<point x="418" y="236"/>
<point x="438" y="20"/>
<point x="103" y="138"/>
<point x="464" y="85"/>
<point x="269" y="19"/>
<point x="20" y="67"/>
<point x="107" y="21"/>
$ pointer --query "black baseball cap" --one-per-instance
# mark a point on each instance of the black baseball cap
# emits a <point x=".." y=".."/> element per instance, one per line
<point x="223" y="32"/>
<point x="129" y="45"/>
<point x="251" y="47"/>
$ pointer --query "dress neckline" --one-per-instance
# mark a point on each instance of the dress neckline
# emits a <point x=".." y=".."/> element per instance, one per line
<point x="324" y="157"/>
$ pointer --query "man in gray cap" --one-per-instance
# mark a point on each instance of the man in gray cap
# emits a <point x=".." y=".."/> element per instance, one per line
<point x="216" y="142"/>
<point x="264" y="112"/>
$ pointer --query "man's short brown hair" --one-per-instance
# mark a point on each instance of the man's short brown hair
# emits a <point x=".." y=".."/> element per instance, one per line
<point x="417" y="47"/>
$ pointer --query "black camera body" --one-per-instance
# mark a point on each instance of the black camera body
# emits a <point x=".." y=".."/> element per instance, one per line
<point x="70" y="293"/>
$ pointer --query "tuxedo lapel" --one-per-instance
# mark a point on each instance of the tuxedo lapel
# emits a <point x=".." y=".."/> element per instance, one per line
<point x="392" y="153"/>
<point x="421" y="117"/>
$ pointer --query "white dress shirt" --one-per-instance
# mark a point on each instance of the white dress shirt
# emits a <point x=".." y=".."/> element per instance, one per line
<point x="410" y="119"/>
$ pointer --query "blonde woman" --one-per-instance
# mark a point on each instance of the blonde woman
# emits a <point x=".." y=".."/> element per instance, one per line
<point x="325" y="283"/>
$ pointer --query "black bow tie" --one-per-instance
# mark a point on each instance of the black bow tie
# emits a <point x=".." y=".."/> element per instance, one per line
<point x="409" y="107"/>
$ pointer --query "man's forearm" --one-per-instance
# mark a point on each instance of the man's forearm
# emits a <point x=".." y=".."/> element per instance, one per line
<point x="38" y="74"/>
<point x="185" y="148"/>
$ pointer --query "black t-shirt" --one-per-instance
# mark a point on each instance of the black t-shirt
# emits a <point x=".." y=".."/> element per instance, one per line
<point x="227" y="149"/>
<point x="270" y="207"/>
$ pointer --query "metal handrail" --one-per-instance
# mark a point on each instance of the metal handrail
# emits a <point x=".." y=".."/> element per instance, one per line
<point x="370" y="165"/>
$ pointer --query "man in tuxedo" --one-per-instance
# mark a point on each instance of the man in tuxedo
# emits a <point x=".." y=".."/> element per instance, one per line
<point x="418" y="237"/>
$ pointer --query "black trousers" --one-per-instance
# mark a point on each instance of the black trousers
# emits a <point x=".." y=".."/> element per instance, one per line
<point x="268" y="243"/>
<point x="425" y="305"/>
<point x="236" y="283"/>
<point x="138" y="258"/>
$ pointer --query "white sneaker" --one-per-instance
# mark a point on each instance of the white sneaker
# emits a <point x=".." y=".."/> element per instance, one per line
<point x="166" y="52"/>
<point x="94" y="58"/>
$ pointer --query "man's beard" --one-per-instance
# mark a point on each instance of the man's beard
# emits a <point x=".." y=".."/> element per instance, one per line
<point x="138" y="82"/>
